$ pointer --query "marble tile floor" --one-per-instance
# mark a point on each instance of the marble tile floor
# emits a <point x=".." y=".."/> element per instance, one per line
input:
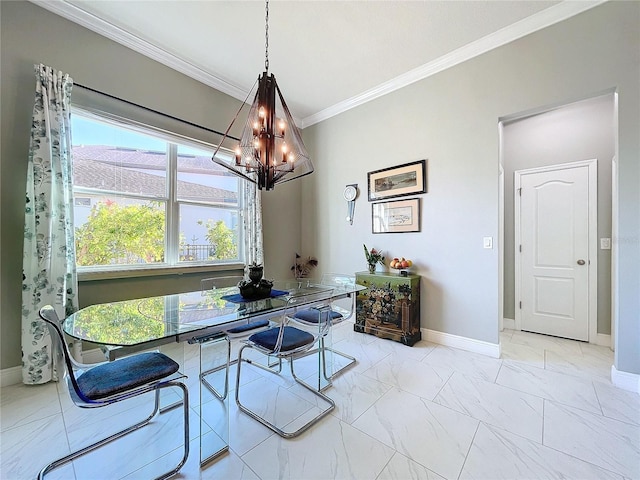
<point x="547" y="409"/>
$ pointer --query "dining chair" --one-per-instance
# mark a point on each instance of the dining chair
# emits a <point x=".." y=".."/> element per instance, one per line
<point x="288" y="342"/>
<point x="100" y="385"/>
<point x="339" y="311"/>
<point x="208" y="287"/>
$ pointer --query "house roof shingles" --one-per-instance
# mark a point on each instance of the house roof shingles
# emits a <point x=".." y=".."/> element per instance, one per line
<point x="116" y="169"/>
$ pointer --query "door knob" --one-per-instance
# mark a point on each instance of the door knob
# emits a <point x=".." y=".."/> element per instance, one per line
<point x="580" y="262"/>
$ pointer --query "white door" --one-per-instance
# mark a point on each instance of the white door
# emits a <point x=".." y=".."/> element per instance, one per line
<point x="554" y="256"/>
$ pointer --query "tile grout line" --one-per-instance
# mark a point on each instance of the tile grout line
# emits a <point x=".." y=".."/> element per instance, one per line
<point x="553" y="400"/>
<point x="469" y="449"/>
<point x="595" y="391"/>
<point x="622" y="475"/>
<point x="442" y="387"/>
<point x="387" y="464"/>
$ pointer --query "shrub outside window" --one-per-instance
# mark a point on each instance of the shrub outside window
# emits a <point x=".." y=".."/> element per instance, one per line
<point x="143" y="200"/>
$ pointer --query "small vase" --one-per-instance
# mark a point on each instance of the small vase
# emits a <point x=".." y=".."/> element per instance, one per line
<point x="372" y="268"/>
<point x="255" y="274"/>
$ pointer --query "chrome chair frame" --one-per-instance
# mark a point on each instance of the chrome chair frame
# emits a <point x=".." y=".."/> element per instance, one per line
<point x="64" y="361"/>
<point x="290" y="354"/>
<point x="337" y="281"/>
<point x="234" y="333"/>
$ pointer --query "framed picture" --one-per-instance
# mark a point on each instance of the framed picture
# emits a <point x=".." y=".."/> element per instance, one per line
<point x="407" y="179"/>
<point x="396" y="216"/>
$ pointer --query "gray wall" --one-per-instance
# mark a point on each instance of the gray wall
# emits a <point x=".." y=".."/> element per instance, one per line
<point x="30" y="34"/>
<point x="579" y="131"/>
<point x="452" y="120"/>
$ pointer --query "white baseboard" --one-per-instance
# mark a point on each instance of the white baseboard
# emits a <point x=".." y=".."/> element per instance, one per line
<point x="10" y="376"/>
<point x="604" y="340"/>
<point x="463" y="343"/>
<point x="625" y="380"/>
<point x="509" y="323"/>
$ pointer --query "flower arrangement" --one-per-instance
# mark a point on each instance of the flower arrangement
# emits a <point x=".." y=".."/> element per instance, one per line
<point x="373" y="256"/>
<point x="380" y="301"/>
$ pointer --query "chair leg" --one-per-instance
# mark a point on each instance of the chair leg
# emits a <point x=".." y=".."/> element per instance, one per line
<point x="321" y="350"/>
<point x="211" y="388"/>
<point x="227" y="366"/>
<point x="185" y="411"/>
<point x="351" y="363"/>
<point x="271" y="426"/>
<point x="268" y="367"/>
<point x="83" y="451"/>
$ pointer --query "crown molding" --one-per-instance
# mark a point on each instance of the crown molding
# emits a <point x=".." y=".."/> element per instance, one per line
<point x="526" y="26"/>
<point x="111" y="31"/>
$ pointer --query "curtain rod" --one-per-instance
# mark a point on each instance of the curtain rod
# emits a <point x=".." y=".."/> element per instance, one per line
<point x="154" y="111"/>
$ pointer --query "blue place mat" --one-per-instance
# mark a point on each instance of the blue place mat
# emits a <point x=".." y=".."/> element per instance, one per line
<point x="237" y="298"/>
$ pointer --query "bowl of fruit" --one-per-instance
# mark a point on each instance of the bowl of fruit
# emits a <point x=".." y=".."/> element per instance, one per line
<point x="401" y="264"/>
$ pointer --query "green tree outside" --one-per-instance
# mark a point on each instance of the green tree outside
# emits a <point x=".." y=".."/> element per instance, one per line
<point x="117" y="234"/>
<point x="121" y="234"/>
<point x="222" y="238"/>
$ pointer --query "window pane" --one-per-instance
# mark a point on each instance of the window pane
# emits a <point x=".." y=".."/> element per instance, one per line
<point x="108" y="157"/>
<point x="123" y="195"/>
<point x="208" y="233"/>
<point x="201" y="180"/>
<point x="116" y="230"/>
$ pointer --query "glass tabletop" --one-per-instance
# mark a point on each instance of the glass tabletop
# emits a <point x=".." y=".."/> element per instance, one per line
<point x="138" y="321"/>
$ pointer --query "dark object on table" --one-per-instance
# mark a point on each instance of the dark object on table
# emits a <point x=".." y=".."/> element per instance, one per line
<point x="257" y="290"/>
<point x="255" y="272"/>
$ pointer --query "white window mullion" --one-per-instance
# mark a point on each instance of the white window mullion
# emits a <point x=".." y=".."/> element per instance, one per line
<point x="123" y="163"/>
<point x="173" y="209"/>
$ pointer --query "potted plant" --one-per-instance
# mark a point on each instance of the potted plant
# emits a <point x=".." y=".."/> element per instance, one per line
<point x="256" y="271"/>
<point x="373" y="257"/>
<point x="256" y="287"/>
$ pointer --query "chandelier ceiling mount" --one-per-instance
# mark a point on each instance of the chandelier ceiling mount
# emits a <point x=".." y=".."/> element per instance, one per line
<point x="270" y="150"/>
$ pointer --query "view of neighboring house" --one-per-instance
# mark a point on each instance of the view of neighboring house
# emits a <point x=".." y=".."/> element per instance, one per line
<point x="130" y="176"/>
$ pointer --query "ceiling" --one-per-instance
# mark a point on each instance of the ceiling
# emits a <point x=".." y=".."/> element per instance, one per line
<point x="328" y="56"/>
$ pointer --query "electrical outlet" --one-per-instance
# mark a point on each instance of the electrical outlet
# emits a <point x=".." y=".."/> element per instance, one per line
<point x="605" y="244"/>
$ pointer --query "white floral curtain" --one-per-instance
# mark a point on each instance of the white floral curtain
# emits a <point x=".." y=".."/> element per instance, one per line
<point x="49" y="264"/>
<point x="253" y="246"/>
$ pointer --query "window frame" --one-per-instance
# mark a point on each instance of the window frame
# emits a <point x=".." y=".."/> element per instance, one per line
<point x="172" y="264"/>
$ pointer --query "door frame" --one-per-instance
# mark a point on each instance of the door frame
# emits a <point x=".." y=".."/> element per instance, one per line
<point x="592" y="241"/>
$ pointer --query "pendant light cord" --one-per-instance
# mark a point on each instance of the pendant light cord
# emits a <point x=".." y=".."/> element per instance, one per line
<point x="266" y="37"/>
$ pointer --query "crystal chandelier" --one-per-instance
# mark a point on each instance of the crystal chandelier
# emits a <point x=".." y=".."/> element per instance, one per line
<point x="270" y="150"/>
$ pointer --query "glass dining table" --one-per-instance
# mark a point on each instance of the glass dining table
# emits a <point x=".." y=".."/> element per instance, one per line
<point x="199" y="317"/>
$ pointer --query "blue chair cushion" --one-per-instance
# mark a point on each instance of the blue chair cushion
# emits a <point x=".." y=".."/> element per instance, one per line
<point x="125" y="374"/>
<point x="311" y="315"/>
<point x="292" y="338"/>
<point x="249" y="326"/>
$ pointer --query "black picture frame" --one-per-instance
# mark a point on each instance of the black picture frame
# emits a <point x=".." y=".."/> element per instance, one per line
<point x="396" y="216"/>
<point x="399" y="181"/>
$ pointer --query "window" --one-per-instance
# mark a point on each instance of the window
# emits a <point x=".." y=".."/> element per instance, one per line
<point x="143" y="200"/>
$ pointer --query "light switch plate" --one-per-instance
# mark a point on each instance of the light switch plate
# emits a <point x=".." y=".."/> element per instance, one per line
<point x="605" y="244"/>
<point x="487" y="242"/>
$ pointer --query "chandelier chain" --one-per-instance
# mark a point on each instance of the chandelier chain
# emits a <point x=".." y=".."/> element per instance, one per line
<point x="266" y="37"/>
